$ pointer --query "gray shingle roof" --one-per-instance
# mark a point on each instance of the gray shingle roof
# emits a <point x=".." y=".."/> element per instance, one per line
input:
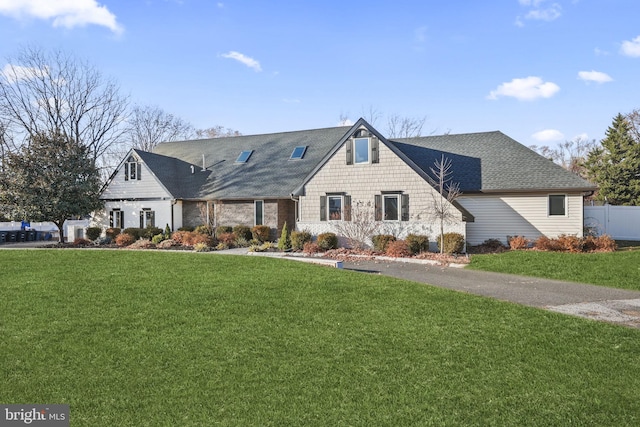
<point x="482" y="162"/>
<point x="268" y="174"/>
<point x="490" y="162"/>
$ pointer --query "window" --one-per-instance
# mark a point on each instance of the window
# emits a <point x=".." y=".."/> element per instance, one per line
<point x="244" y="156"/>
<point x="391" y="207"/>
<point x="116" y="218"/>
<point x="361" y="149"/>
<point x="298" y="152"/>
<point x="335" y="208"/>
<point x="147" y="218"/>
<point x="132" y="169"/>
<point x="258" y="207"/>
<point x="557" y="205"/>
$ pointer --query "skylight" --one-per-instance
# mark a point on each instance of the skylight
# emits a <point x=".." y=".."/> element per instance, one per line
<point x="244" y="156"/>
<point x="298" y="152"/>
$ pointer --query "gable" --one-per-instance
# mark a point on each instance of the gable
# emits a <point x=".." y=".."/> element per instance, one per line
<point x="133" y="178"/>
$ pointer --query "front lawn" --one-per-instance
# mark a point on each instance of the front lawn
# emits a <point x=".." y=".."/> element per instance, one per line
<point x="613" y="269"/>
<point x="135" y="338"/>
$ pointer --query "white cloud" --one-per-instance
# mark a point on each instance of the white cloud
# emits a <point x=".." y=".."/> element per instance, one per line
<point x="249" y="62"/>
<point x="594" y="76"/>
<point x="539" y="10"/>
<point x="526" y="89"/>
<point x="548" y="135"/>
<point x="64" y="13"/>
<point x="581" y="137"/>
<point x="16" y="73"/>
<point x="631" y="48"/>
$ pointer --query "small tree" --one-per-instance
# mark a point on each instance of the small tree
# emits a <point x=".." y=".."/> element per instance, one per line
<point x="53" y="178"/>
<point x="446" y="192"/>
<point x="284" y="243"/>
<point x="361" y="226"/>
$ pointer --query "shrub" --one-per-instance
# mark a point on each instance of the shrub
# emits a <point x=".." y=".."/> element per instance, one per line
<point x="149" y="232"/>
<point x="186" y="228"/>
<point x="261" y="247"/>
<point x="311" y="248"/>
<point x="570" y="243"/>
<point x="142" y="244"/>
<point x="166" y="244"/>
<point x="380" y="242"/>
<point x="157" y="238"/>
<point x="241" y="242"/>
<point x="103" y="240"/>
<point x="124" y="239"/>
<point x="518" y="242"/>
<point x="327" y="241"/>
<point x="222" y="246"/>
<point x="417" y="243"/>
<point x="227" y="239"/>
<point x="223" y="229"/>
<point x="261" y="233"/>
<point x="167" y="232"/>
<point x="197" y="239"/>
<point x="133" y="232"/>
<point x="112" y="233"/>
<point x="299" y="238"/>
<point x="203" y="229"/>
<point x="82" y="242"/>
<point x="284" y="242"/>
<point x="544" y="243"/>
<point x="398" y="249"/>
<point x="201" y="247"/>
<point x="93" y="233"/>
<point x="242" y="231"/>
<point x="453" y="243"/>
<point x="605" y="243"/>
<point x="181" y="237"/>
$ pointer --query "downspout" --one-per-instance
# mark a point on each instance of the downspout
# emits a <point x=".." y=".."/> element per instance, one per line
<point x="173" y="203"/>
<point x="296" y="200"/>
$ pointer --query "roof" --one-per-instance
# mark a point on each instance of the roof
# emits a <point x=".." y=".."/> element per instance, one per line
<point x="267" y="174"/>
<point x="481" y="162"/>
<point x="489" y="162"/>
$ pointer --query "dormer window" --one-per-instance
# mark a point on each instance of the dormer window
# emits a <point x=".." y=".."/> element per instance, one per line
<point x="132" y="169"/>
<point x="362" y="148"/>
<point x="244" y="156"/>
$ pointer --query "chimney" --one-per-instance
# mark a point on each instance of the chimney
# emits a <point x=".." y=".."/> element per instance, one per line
<point x="193" y="169"/>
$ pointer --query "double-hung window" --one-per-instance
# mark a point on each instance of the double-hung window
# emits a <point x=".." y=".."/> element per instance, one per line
<point x="132" y="169"/>
<point x="361" y="150"/>
<point x="335" y="207"/>
<point x="147" y="218"/>
<point x="116" y="218"/>
<point x="391" y="203"/>
<point x="258" y="208"/>
<point x="392" y="206"/>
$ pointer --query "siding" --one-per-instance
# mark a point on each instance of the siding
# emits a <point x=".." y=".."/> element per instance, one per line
<point x="497" y="217"/>
<point x="132" y="210"/>
<point x="145" y="188"/>
<point x="362" y="182"/>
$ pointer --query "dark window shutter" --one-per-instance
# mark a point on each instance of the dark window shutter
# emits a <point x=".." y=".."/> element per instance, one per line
<point x="126" y="171"/>
<point x="323" y="208"/>
<point x="139" y="174"/>
<point x="375" y="156"/>
<point x="121" y="219"/>
<point x="378" y="207"/>
<point x="347" y="208"/>
<point x="141" y="219"/>
<point x="349" y="146"/>
<point x="405" y="207"/>
<point x="111" y="219"/>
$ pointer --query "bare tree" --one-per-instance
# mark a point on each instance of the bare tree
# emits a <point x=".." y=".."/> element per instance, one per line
<point x="360" y="227"/>
<point x="634" y="121"/>
<point x="571" y="155"/>
<point x="446" y="193"/>
<point x="207" y="216"/>
<point x="404" y="127"/>
<point x="216" y="132"/>
<point x="148" y="126"/>
<point x="44" y="93"/>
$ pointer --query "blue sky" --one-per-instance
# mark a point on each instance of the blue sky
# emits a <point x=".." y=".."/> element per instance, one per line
<point x="541" y="71"/>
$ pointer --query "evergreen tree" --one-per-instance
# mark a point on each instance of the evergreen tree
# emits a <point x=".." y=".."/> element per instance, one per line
<point x="615" y="166"/>
<point x="284" y="243"/>
<point x="53" y="178"/>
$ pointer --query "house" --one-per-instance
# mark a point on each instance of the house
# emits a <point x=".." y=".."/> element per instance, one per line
<point x="314" y="179"/>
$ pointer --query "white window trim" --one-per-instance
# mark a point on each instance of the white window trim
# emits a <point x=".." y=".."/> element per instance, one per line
<point x="355" y="151"/>
<point x="566" y="206"/>
<point x="398" y="207"/>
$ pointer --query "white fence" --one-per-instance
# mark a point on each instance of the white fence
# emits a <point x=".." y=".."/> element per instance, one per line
<point x="619" y="222"/>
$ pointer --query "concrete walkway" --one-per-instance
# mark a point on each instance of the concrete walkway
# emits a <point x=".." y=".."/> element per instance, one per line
<point x="617" y="306"/>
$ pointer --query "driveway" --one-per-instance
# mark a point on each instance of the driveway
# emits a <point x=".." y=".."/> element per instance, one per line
<point x="594" y="302"/>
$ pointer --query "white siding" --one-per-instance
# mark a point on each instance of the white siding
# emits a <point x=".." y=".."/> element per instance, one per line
<point x="147" y="187"/>
<point x="131" y="209"/>
<point x="499" y="216"/>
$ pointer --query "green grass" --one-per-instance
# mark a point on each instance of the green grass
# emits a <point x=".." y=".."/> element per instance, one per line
<point x="613" y="269"/>
<point x="133" y="338"/>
